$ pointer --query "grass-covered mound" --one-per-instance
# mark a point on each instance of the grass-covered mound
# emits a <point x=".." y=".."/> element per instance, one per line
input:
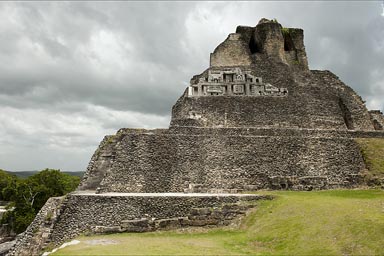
<point x="372" y="150"/>
<point x="339" y="222"/>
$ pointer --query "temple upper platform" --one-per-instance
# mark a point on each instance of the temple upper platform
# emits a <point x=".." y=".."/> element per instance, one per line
<point x="259" y="77"/>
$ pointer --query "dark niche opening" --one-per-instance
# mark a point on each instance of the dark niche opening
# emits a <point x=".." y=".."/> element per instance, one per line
<point x="253" y="47"/>
<point x="346" y="115"/>
<point x="288" y="42"/>
<point x="377" y="126"/>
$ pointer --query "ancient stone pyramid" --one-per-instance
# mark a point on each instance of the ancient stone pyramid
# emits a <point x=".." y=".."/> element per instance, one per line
<point x="257" y="118"/>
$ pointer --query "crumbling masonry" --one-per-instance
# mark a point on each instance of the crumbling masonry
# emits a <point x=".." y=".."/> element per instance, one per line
<point x="257" y="118"/>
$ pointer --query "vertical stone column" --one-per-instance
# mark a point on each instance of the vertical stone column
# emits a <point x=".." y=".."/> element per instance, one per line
<point x="229" y="89"/>
<point x="268" y="38"/>
<point x="199" y="91"/>
<point x="247" y="89"/>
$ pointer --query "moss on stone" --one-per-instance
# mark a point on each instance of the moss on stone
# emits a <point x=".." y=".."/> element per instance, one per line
<point x="110" y="139"/>
<point x="285" y="31"/>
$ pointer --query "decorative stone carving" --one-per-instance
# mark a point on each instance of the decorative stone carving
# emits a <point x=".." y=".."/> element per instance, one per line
<point x="233" y="82"/>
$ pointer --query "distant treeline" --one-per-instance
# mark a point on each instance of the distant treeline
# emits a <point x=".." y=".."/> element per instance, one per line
<point x="27" y="195"/>
<point x="26" y="174"/>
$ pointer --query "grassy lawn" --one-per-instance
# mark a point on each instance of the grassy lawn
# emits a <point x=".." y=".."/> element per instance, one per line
<point x="338" y="222"/>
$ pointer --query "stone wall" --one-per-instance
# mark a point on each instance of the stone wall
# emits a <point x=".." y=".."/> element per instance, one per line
<point x="203" y="161"/>
<point x="232" y="52"/>
<point x="104" y="157"/>
<point x="377" y="118"/>
<point x="353" y="109"/>
<point x="99" y="164"/>
<point x="37" y="236"/>
<point x="62" y="219"/>
<point x="279" y="132"/>
<point x="295" y="53"/>
<point x="316" y="100"/>
<point x="269" y="38"/>
<point x="286" y="112"/>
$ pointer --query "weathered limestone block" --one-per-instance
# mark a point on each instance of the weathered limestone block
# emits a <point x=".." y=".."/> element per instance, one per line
<point x="246" y="34"/>
<point x="294" y="45"/>
<point x="170" y="223"/>
<point x="200" y="211"/>
<point x="232" y="52"/>
<point x="284" y="45"/>
<point x="106" y="229"/>
<point x="269" y="39"/>
<point x="100" y="163"/>
<point x="139" y="225"/>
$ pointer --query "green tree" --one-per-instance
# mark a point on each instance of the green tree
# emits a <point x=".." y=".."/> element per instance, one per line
<point x="7" y="180"/>
<point x="29" y="195"/>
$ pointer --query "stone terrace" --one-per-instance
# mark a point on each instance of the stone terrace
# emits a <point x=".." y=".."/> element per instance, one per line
<point x="64" y="218"/>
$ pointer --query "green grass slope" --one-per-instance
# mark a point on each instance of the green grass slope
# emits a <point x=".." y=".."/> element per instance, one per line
<point x="338" y="222"/>
<point x="372" y="150"/>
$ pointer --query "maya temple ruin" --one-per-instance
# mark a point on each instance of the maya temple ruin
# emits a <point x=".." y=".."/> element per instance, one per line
<point x="256" y="118"/>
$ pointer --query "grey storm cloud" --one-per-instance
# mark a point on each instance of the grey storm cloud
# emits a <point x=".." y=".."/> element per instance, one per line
<point x="71" y="72"/>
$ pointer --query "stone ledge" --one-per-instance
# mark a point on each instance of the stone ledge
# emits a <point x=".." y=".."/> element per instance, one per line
<point x="255" y="131"/>
<point x="197" y="217"/>
<point x="169" y="195"/>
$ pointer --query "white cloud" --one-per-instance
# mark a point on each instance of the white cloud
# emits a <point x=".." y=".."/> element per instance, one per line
<point x="54" y="134"/>
<point x="382" y="9"/>
<point x="109" y="53"/>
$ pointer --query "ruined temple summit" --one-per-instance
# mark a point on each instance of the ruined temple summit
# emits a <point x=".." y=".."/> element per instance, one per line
<point x="256" y="118"/>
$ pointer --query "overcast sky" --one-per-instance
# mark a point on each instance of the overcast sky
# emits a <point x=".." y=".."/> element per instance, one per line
<point x="72" y="72"/>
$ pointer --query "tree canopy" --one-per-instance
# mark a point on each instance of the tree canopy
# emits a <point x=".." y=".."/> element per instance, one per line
<point x="27" y="196"/>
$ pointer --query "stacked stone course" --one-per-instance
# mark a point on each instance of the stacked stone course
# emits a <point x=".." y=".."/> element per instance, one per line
<point x="38" y="234"/>
<point x="221" y="161"/>
<point x="64" y="218"/>
<point x="87" y="213"/>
